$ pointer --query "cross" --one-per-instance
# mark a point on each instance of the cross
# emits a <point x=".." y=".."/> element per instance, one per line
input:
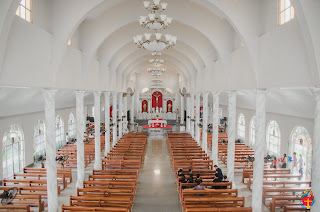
<point x="308" y="201"/>
<point x="157" y="96"/>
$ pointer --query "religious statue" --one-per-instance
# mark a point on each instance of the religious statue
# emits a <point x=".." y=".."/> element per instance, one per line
<point x="144" y="107"/>
<point x="169" y="107"/>
<point x="157" y="96"/>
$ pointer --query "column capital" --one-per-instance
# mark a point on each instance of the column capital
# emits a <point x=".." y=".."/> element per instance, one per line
<point x="80" y="92"/>
<point x="316" y="93"/>
<point x="125" y="94"/>
<point x="216" y="93"/>
<point x="48" y="92"/>
<point x="96" y="93"/>
<point x="107" y="93"/>
<point x="205" y="93"/>
<point x="262" y="91"/>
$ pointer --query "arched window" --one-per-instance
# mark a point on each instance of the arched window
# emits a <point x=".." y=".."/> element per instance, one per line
<point x="93" y="111"/>
<point x="59" y="132"/>
<point x="71" y="126"/>
<point x="12" y="151"/>
<point x="241" y="127"/>
<point x="39" y="136"/>
<point x="273" y="138"/>
<point x="302" y="144"/>
<point x="252" y="131"/>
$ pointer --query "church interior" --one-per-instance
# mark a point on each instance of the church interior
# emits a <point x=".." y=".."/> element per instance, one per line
<point x="160" y="105"/>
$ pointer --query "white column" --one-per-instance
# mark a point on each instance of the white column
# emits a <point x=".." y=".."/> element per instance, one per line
<point x="132" y="110"/>
<point x="140" y="106"/>
<point x="231" y="135"/>
<point x="182" y="110"/>
<point x="188" y="114"/>
<point x="80" y="122"/>
<point x="164" y="106"/>
<point x="192" y="115"/>
<point x="316" y="153"/>
<point x="215" y="127"/>
<point x="120" y="114"/>
<point x="259" y="150"/>
<point x="125" y="109"/>
<point x="149" y="105"/>
<point x="97" y="159"/>
<point x="205" y="122"/>
<point x="114" y="118"/>
<point x="51" y="166"/>
<point x="197" y="117"/>
<point x="107" y="122"/>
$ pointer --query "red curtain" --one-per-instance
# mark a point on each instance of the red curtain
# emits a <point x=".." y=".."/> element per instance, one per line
<point x="111" y="111"/>
<point x="201" y="110"/>
<point x="144" y="102"/>
<point x="169" y="102"/>
<point x="154" y="99"/>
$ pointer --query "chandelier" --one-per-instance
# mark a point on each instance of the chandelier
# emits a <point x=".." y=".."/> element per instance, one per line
<point x="156" y="61"/>
<point x="155" y="42"/>
<point x="156" y="71"/>
<point x="154" y="21"/>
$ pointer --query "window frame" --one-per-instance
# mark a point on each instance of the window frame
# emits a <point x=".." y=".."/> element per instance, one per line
<point x="17" y="130"/>
<point x="280" y="12"/>
<point x="37" y="137"/>
<point x="71" y="126"/>
<point x="59" y="132"/>
<point x="273" y="125"/>
<point x="241" y="127"/>
<point x="18" y="11"/>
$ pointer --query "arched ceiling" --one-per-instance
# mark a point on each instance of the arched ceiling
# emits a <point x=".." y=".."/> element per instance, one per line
<point x="203" y="35"/>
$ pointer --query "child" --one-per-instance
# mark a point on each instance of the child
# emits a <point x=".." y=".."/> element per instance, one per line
<point x="274" y="163"/>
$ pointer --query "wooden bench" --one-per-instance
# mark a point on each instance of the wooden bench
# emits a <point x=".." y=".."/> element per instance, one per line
<point x="294" y="208"/>
<point x="67" y="172"/>
<point x="15" y="208"/>
<point x="93" y="209"/>
<point x="269" y="192"/>
<point x="248" y="172"/>
<point x="242" y="209"/>
<point x="281" y="201"/>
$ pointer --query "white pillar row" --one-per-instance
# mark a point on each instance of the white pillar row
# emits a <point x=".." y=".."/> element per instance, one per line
<point x="125" y="109"/>
<point x="188" y="114"/>
<point x="107" y="122"/>
<point x="182" y="110"/>
<point x="215" y="126"/>
<point x="132" y="109"/>
<point x="80" y="124"/>
<point x="97" y="159"/>
<point x="231" y="135"/>
<point x="205" y="122"/>
<point x="259" y="150"/>
<point x="316" y="153"/>
<point x="120" y="114"/>
<point x="197" y="117"/>
<point x="114" y="118"/>
<point x="192" y="115"/>
<point x="51" y="166"/>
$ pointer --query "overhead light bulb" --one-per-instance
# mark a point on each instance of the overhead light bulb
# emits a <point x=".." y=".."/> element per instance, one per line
<point x="146" y="4"/>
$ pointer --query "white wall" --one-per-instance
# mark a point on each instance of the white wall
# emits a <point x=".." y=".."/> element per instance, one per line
<point x="28" y="122"/>
<point x="286" y="124"/>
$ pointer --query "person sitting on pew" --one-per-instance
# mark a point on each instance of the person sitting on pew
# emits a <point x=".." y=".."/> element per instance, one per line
<point x="199" y="187"/>
<point x="91" y="135"/>
<point x="190" y="180"/>
<point x="225" y="180"/>
<point x="183" y="180"/>
<point x="190" y="171"/>
<point x="85" y="134"/>
<point x="219" y="175"/>
<point x="198" y="178"/>
<point x="274" y="163"/>
<point x="180" y="172"/>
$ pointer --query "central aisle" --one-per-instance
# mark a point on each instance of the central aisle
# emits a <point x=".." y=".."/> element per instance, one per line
<point x="157" y="190"/>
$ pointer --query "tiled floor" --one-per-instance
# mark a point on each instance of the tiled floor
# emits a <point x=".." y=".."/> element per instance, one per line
<point x="157" y="190"/>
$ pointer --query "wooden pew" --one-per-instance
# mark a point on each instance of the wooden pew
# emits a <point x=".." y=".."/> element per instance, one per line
<point x="93" y="209"/>
<point x="15" y="208"/>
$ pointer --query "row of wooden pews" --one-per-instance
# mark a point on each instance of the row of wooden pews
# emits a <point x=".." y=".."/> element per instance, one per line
<point x="114" y="187"/>
<point x="32" y="188"/>
<point x="280" y="188"/>
<point x="186" y="154"/>
<point x="70" y="150"/>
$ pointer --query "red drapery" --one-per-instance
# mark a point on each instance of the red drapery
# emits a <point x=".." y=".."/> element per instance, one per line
<point x="154" y="99"/>
<point x="146" y="108"/>
<point x="110" y="111"/>
<point x="201" y="110"/>
<point x="169" y="110"/>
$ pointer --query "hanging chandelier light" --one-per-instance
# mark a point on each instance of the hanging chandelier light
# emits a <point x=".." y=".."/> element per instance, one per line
<point x="155" y="20"/>
<point x="156" y="60"/>
<point x="156" y="42"/>
<point x="156" y="71"/>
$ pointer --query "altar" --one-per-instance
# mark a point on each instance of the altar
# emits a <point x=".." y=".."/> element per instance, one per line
<point x="157" y="103"/>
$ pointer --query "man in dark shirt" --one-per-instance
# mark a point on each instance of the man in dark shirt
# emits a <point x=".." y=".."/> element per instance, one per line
<point x="219" y="175"/>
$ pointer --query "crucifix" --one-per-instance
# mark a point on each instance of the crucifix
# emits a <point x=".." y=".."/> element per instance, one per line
<point x="157" y="96"/>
